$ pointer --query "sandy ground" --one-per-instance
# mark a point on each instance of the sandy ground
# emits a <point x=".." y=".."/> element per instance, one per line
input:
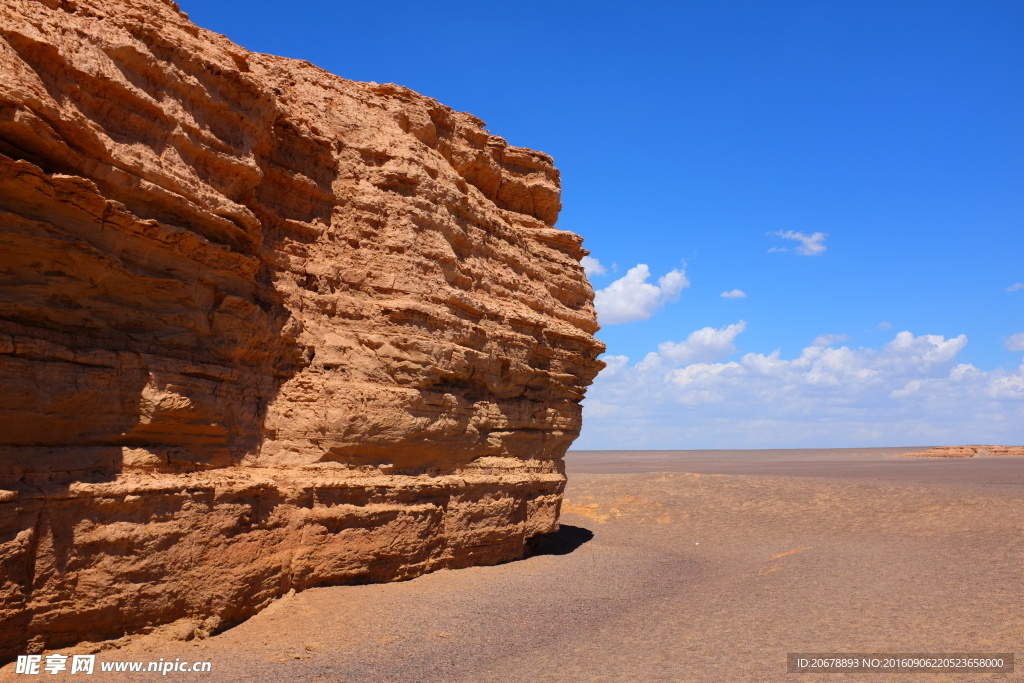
<point x="876" y="463"/>
<point x="674" y="576"/>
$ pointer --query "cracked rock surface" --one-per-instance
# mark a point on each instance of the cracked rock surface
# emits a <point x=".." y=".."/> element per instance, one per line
<point x="261" y="328"/>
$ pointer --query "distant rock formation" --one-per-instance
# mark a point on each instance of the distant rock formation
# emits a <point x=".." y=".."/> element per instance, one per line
<point x="261" y="328"/>
<point x="964" y="451"/>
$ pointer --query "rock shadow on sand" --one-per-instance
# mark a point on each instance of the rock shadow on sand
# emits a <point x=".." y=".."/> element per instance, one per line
<point x="562" y="542"/>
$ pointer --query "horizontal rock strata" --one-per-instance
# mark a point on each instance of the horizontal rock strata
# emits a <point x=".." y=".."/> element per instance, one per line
<point x="261" y="328"/>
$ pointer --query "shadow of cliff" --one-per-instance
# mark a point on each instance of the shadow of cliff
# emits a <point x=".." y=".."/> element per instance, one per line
<point x="562" y="542"/>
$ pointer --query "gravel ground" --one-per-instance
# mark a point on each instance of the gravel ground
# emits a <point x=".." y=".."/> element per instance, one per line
<point x="671" y="577"/>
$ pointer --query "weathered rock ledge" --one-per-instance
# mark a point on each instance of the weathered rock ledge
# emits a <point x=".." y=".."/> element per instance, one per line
<point x="261" y="328"/>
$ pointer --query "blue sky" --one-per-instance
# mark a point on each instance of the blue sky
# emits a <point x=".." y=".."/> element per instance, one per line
<point x="690" y="135"/>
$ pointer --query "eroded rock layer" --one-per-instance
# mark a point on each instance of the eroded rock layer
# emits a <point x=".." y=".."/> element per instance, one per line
<point x="261" y="328"/>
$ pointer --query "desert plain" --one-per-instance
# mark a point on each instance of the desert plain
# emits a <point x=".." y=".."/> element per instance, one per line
<point x="290" y="363"/>
<point x="675" y="566"/>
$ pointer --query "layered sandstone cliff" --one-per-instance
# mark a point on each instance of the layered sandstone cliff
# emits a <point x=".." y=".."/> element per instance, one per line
<point x="261" y="328"/>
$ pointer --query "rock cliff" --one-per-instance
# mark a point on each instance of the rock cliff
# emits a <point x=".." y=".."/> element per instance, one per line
<point x="261" y="328"/>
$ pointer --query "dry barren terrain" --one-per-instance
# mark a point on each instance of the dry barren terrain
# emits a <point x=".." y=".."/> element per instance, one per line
<point x="674" y="576"/>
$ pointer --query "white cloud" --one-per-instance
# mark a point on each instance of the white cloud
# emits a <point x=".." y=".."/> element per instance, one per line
<point x="707" y="344"/>
<point x="911" y="387"/>
<point x="734" y="294"/>
<point x="829" y="339"/>
<point x="810" y="245"/>
<point x="1016" y="286"/>
<point x="1015" y="342"/>
<point x="632" y="298"/>
<point x="911" y="391"/>
<point x="884" y="325"/>
<point x="592" y="266"/>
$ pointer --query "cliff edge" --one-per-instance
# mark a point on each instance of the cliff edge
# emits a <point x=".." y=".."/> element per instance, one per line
<point x="261" y="328"/>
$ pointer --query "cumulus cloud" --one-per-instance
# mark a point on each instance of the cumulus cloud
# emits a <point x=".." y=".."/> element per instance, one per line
<point x="829" y="339"/>
<point x="910" y="391"/>
<point x="734" y="294"/>
<point x="592" y="266"/>
<point x="632" y="298"/>
<point x="707" y="344"/>
<point x="884" y="325"/>
<point x="1014" y="287"/>
<point x="1015" y="342"/>
<point x="810" y="245"/>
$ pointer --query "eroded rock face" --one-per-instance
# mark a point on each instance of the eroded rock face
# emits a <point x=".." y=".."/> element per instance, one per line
<point x="261" y="328"/>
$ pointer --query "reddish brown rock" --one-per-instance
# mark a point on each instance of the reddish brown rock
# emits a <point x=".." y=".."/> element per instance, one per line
<point x="261" y="328"/>
<point x="964" y="451"/>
